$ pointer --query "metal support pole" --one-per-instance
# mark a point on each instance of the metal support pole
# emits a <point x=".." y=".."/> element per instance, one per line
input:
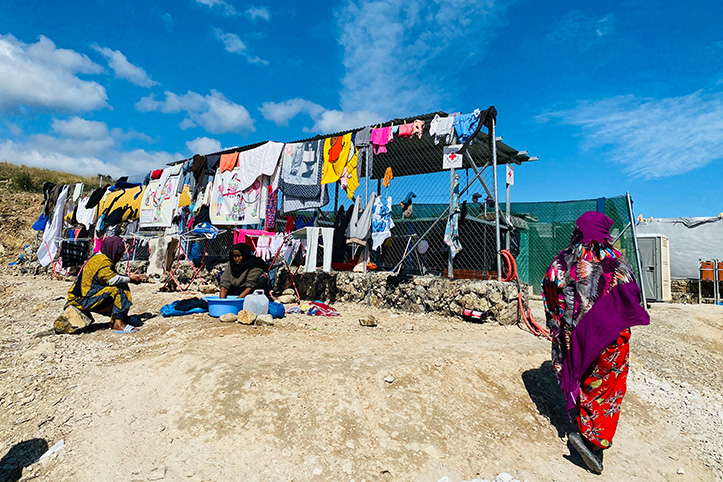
<point x="450" y="258"/>
<point x="637" y="250"/>
<point x="493" y="140"/>
<point x="509" y="231"/>
<point x="336" y="197"/>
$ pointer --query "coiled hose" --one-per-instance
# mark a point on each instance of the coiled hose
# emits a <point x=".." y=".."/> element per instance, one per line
<point x="527" y="318"/>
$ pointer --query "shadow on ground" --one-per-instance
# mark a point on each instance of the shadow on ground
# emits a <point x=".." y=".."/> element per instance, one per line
<point x="19" y="456"/>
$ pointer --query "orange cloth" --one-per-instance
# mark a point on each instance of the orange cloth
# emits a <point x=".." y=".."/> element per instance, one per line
<point x="228" y="162"/>
<point x="388" y="176"/>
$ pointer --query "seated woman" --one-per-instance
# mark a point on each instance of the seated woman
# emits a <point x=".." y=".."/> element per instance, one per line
<point x="244" y="273"/>
<point x="100" y="289"/>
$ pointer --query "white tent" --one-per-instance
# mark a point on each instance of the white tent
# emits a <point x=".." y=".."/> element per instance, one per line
<point x="691" y="239"/>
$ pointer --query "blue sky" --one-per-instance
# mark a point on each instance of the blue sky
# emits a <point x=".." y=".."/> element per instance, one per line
<point x="612" y="96"/>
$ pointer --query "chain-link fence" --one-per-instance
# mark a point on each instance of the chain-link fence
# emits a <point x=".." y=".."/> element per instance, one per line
<point x="434" y="210"/>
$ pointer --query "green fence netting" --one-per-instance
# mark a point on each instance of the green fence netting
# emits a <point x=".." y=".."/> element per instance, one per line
<point x="550" y="225"/>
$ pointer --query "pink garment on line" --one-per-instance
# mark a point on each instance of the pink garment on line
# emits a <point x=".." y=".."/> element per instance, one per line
<point x="405" y="130"/>
<point x="380" y="137"/>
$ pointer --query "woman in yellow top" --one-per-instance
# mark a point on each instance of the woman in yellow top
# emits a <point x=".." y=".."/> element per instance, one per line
<point x="100" y="289"/>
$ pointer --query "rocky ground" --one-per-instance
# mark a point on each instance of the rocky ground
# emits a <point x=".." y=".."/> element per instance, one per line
<point x="419" y="397"/>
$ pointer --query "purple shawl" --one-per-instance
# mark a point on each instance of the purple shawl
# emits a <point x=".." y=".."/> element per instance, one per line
<point x="113" y="247"/>
<point x="609" y="316"/>
<point x="592" y="226"/>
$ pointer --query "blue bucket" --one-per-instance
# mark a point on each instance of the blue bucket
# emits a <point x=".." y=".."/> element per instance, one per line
<point x="218" y="306"/>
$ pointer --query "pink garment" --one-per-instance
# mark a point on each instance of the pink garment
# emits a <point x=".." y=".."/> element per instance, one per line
<point x="96" y="244"/>
<point x="380" y="138"/>
<point x="239" y="235"/>
<point x="405" y="130"/>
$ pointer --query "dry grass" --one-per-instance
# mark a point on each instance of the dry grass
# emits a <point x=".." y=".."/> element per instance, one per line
<point x="31" y="179"/>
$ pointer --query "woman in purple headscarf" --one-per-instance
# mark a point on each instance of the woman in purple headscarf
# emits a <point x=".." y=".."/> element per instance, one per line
<point x="591" y="301"/>
<point x="100" y="289"/>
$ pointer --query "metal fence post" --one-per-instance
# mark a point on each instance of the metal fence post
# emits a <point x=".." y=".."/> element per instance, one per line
<point x="637" y="250"/>
<point x="493" y="140"/>
<point x="450" y="258"/>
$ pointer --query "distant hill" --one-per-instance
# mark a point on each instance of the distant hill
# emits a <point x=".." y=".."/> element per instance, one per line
<point x="31" y="179"/>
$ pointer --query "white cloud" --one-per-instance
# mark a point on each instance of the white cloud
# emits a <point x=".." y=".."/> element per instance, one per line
<point x="76" y="127"/>
<point x="124" y="69"/>
<point x="44" y="77"/>
<point x="213" y="112"/>
<point x="651" y="138"/>
<point x="203" y="145"/>
<point x="325" y="121"/>
<point x="258" y="12"/>
<point x="233" y="44"/>
<point x="401" y="56"/>
<point x="580" y="30"/>
<point x="225" y="7"/>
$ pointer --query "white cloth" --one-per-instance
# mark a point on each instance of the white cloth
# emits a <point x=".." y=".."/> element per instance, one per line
<point x="312" y="240"/>
<point x="169" y="172"/>
<point x="442" y="128"/>
<point x="260" y="161"/>
<point x="53" y="234"/>
<point x="85" y="216"/>
<point x="77" y="191"/>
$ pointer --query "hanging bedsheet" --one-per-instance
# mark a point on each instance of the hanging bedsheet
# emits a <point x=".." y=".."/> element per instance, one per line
<point x="231" y="205"/>
<point x="301" y="169"/>
<point x="160" y="200"/>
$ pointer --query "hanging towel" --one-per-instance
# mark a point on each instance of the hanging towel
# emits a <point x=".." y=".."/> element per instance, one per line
<point x="228" y="162"/>
<point x="259" y="161"/>
<point x="451" y="231"/>
<point x="380" y="138"/>
<point x="336" y="156"/>
<point x="360" y="226"/>
<point x="441" y="128"/>
<point x="292" y="203"/>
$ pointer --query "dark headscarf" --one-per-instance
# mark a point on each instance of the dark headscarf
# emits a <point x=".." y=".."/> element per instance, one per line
<point x="249" y="260"/>
<point x="113" y="247"/>
<point x="592" y="226"/>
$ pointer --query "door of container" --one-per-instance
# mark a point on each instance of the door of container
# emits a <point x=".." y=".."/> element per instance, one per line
<point x="648" y="259"/>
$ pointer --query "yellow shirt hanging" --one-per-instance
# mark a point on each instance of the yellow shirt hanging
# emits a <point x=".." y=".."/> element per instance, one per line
<point x="336" y="153"/>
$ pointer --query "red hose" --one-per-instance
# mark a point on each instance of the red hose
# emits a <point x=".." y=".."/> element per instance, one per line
<point x="530" y="323"/>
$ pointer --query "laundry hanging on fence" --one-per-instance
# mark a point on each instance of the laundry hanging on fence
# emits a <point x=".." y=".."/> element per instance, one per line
<point x="259" y="161"/>
<point x="451" y="231"/>
<point x="336" y="156"/>
<point x="382" y="223"/>
<point x="228" y="162"/>
<point x="380" y="138"/>
<point x="51" y="236"/>
<point x="301" y="169"/>
<point x="362" y="140"/>
<point x="465" y="124"/>
<point x="292" y="203"/>
<point x="160" y="201"/>
<point x="360" y="227"/>
<point x="350" y="176"/>
<point x="230" y="205"/>
<point x="442" y="128"/>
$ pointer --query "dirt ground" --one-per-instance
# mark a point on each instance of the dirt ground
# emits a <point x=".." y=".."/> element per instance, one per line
<point x="416" y="398"/>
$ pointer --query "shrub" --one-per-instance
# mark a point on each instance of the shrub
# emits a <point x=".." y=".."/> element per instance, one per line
<point x="24" y="181"/>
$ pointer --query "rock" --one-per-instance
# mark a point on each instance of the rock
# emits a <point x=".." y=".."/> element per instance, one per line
<point x="389" y="379"/>
<point x="286" y="299"/>
<point x="43" y="350"/>
<point x="157" y="473"/>
<point x="368" y="320"/>
<point x="264" y="320"/>
<point x="681" y="471"/>
<point x="246" y="317"/>
<point x="227" y="318"/>
<point x="72" y="320"/>
<point x="208" y="289"/>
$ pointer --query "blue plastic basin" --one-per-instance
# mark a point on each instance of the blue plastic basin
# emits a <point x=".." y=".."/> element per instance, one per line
<point x="218" y="306"/>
